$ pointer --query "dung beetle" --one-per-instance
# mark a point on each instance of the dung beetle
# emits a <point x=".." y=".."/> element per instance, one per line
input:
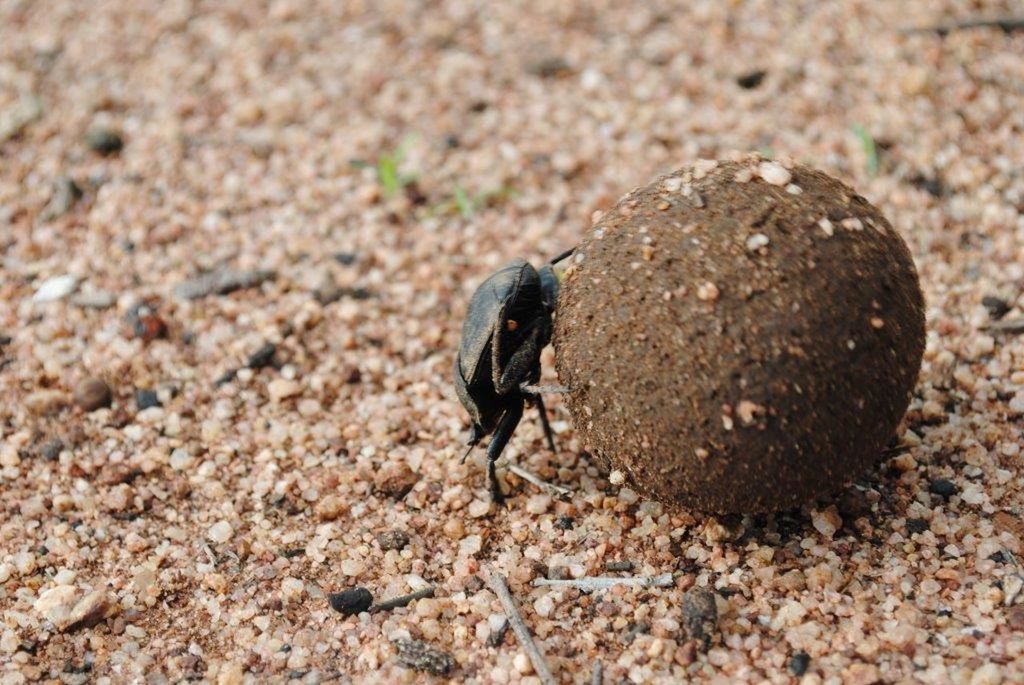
<point x="507" y="324"/>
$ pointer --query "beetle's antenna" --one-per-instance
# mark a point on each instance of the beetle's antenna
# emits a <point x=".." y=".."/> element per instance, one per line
<point x="562" y="256"/>
<point x="466" y="455"/>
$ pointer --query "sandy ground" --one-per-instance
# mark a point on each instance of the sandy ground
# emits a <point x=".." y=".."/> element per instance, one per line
<point x="196" y="538"/>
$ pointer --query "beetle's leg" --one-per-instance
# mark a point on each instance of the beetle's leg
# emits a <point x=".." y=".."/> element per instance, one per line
<point x="538" y="401"/>
<point x="506" y="427"/>
<point x="528" y="389"/>
<point x="520" y="365"/>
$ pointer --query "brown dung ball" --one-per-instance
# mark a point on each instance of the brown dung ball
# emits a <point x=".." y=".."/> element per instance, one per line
<point x="740" y="336"/>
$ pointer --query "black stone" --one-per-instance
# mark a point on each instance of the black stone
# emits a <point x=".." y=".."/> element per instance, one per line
<point x="564" y="523"/>
<point x="943" y="487"/>
<point x="262" y="357"/>
<point x="799" y="663"/>
<point x="996" y="306"/>
<point x="751" y="79"/>
<point x="345" y="258"/>
<point x="105" y="141"/>
<point x="351" y="602"/>
<point x="916" y="525"/>
<point x="146" y="399"/>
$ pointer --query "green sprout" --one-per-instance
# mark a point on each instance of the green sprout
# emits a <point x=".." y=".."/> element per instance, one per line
<point x="867" y="144"/>
<point x="468" y="205"/>
<point x="390" y="178"/>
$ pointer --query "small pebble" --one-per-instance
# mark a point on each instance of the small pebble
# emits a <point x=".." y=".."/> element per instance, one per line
<point x="916" y="526"/>
<point x="943" y="487"/>
<point x="395" y="480"/>
<point x="799" y="663"/>
<point x="220" y="532"/>
<point x="393" y="539"/>
<point x="420" y="656"/>
<point x="56" y="288"/>
<point x="351" y="601"/>
<point x="700" y="614"/>
<point x="103" y="140"/>
<point x="262" y="357"/>
<point x="996" y="306"/>
<point x="92" y="394"/>
<point x="774" y="173"/>
<point x="751" y="79"/>
<point x="146" y="399"/>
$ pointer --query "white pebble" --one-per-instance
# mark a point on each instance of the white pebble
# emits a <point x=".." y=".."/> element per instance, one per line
<point x="544" y="606"/>
<point x="826" y="521"/>
<point x="56" y="288"/>
<point x="220" y="532"/>
<point x="774" y="173"/>
<point x="470" y="545"/>
<point x="478" y="508"/>
<point x="617" y="477"/>
<point x="756" y="242"/>
<point x="538" y="504"/>
<point x="180" y="459"/>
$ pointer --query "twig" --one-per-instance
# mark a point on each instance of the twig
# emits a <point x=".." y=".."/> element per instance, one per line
<point x="1007" y="24"/>
<point x="500" y="587"/>
<point x="404" y="600"/>
<point x="543" y="484"/>
<point x="598" y="675"/>
<point x="618" y="566"/>
<point x="1006" y="326"/>
<point x="593" y="583"/>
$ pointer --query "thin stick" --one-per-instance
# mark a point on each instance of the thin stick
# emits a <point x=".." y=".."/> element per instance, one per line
<point x="527" y="476"/>
<point x="500" y="587"/>
<point x="544" y="389"/>
<point x="1006" y="326"/>
<point x="1007" y="24"/>
<point x="593" y="583"/>
<point x="598" y="675"/>
<point x="404" y="600"/>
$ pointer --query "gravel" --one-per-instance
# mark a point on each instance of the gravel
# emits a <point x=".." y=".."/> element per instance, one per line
<point x="238" y="126"/>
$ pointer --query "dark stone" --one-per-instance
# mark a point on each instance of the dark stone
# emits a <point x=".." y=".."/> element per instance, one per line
<point x="996" y="306"/>
<point x="943" y="487"/>
<point x="351" y="602"/>
<point x="393" y="539"/>
<point x="564" y="523"/>
<point x="345" y="258"/>
<point x="92" y="394"/>
<point x="262" y="357"/>
<point x="104" y="141"/>
<point x="549" y="67"/>
<point x="799" y="663"/>
<point x="146" y="399"/>
<point x="51" y="450"/>
<point x="700" y="615"/>
<point x="752" y="79"/>
<point x="420" y="656"/>
<point x="917" y="526"/>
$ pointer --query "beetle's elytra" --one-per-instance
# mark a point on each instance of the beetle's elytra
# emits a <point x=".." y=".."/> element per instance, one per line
<point x="507" y="324"/>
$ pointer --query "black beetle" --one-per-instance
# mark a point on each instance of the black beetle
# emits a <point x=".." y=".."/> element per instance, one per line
<point x="507" y="324"/>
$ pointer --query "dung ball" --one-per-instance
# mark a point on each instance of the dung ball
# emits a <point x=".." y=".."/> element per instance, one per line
<point x="739" y="337"/>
